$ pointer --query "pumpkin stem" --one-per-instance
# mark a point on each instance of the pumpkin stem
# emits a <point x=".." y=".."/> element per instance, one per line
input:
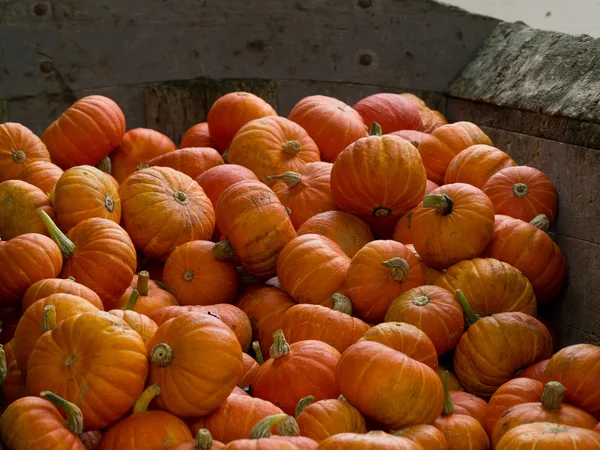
<point x="342" y="398"/>
<point x="105" y="165"/>
<point x="399" y="268"/>
<point x="288" y="211"/>
<point x="448" y="404"/>
<point x="415" y="143"/>
<point x="421" y="300"/>
<point x="64" y="243"/>
<point x="72" y="279"/>
<point x="258" y="353"/>
<point x="375" y="129"/>
<point x="382" y="212"/>
<point x="162" y="355"/>
<point x="464" y="303"/>
<point x="290" y="178"/>
<point x="280" y="347"/>
<point x="292" y="147"/>
<point x="131" y="302"/>
<point x="245" y="277"/>
<point x="74" y="415"/>
<point x="553" y="395"/>
<point x="204" y="439"/>
<point x="181" y="197"/>
<point x="49" y="319"/>
<point x="223" y="250"/>
<point x="163" y="286"/>
<point x="142" y="282"/>
<point x="285" y="426"/>
<point x="19" y="156"/>
<point x="341" y="303"/>
<point x="541" y="221"/>
<point x="143" y="401"/>
<point x="303" y="403"/>
<point x="109" y="203"/>
<point x="440" y="202"/>
<point x="520" y="190"/>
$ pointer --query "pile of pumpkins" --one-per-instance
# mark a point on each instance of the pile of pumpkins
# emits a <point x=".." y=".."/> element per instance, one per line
<point x="362" y="277"/>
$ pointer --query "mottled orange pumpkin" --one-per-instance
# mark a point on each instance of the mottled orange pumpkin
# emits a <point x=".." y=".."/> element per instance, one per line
<point x="392" y="111"/>
<point x="20" y="148"/>
<point x="549" y="436"/>
<point x="431" y="118"/>
<point x="469" y="405"/>
<point x="197" y="136"/>
<point x="151" y="295"/>
<point x="374" y="440"/>
<point x="192" y="161"/>
<point x="48" y="286"/>
<point x="42" y="174"/>
<point x="428" y="436"/>
<point x="430" y="273"/>
<point x="476" y="164"/>
<point x="20" y="204"/>
<point x="138" y="322"/>
<point x="215" y="180"/>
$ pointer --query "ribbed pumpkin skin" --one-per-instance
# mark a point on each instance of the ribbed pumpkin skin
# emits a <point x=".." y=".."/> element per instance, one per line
<point x="20" y="148"/>
<point x="540" y="196"/>
<point x="139" y="323"/>
<point x="42" y="174"/>
<point x="469" y="405"/>
<point x="495" y="347"/>
<point x="14" y="385"/>
<point x="549" y="436"/>
<point x="375" y="440"/>
<point x="378" y="175"/>
<point x="392" y="111"/>
<point x="49" y="286"/>
<point x="476" y="164"/>
<point x="326" y="418"/>
<point x="20" y="203"/>
<point x="463" y="432"/>
<point x="331" y="123"/>
<point x="428" y="436"/>
<point x="86" y="132"/>
<point x="490" y="286"/>
<point x="193" y="161"/>
<point x="532" y="251"/>
<point x="197" y="136"/>
<point x="535" y="371"/>
<point x="368" y="375"/>
<point x="271" y="443"/>
<point x="156" y="298"/>
<point x="215" y="180"/>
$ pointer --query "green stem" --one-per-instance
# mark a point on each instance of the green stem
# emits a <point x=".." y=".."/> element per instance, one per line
<point x="553" y="395"/>
<point x="448" y="404"/>
<point x="302" y="404"/>
<point x="131" y="302"/>
<point x="280" y="347"/>
<point x="399" y="268"/>
<point x="464" y="303"/>
<point x="541" y="222"/>
<point x="440" y="202"/>
<point x="204" y="439"/>
<point x="142" y="282"/>
<point x="74" y="415"/>
<point x="291" y="179"/>
<point x="143" y="402"/>
<point x="375" y="129"/>
<point x="161" y="355"/>
<point x="258" y="353"/>
<point x="292" y="148"/>
<point x="223" y="250"/>
<point x="341" y="303"/>
<point x="49" y="318"/>
<point x="64" y="243"/>
<point x="285" y="426"/>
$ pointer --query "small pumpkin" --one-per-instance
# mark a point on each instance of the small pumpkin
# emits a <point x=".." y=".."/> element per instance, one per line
<point x="203" y="440"/>
<point x="150" y="296"/>
<point x="42" y="174"/>
<point x="431" y="118"/>
<point x="535" y="371"/>
<point x="48" y="286"/>
<point x="20" y="148"/>
<point x="20" y="204"/>
<point x="428" y="436"/>
<point x="192" y="161"/>
<point x="138" y="322"/>
<point x="453" y="383"/>
<point x="392" y="111"/>
<point x="14" y="385"/>
<point x="86" y="132"/>
<point x="197" y="136"/>
<point x="430" y="273"/>
<point x="374" y="440"/>
<point x="469" y="405"/>
<point x="549" y="436"/>
<point x="216" y="179"/>
<point x="476" y="164"/>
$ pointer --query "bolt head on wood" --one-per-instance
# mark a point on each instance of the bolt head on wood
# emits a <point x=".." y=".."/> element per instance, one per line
<point x="365" y="59"/>
<point x="46" y="66"/>
<point x="40" y="9"/>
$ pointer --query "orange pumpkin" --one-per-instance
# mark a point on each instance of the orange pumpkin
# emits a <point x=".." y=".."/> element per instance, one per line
<point x="476" y="164"/>
<point x="136" y="149"/>
<point x="197" y="136"/>
<point x="454" y="223"/>
<point x="203" y="440"/>
<point x="431" y="118"/>
<point x="428" y="436"/>
<point x="164" y="208"/>
<point x="78" y="360"/>
<point x="382" y="176"/>
<point x="231" y="112"/>
<point x="453" y="383"/>
<point x="14" y="386"/>
<point x="20" y="204"/>
<point x="311" y="268"/>
<point x="138" y="322"/>
<point x="469" y="405"/>
<point x="42" y="174"/>
<point x="430" y="273"/>
<point x="20" y="148"/>
<point x="271" y="146"/>
<point x="86" y="132"/>
<point x="173" y="353"/>
<point x="196" y="277"/>
<point x="374" y="440"/>
<point x="379" y="273"/>
<point x="549" y="436"/>
<point x="433" y="310"/>
<point x="392" y="111"/>
<point x="216" y="179"/>
<point x="535" y="371"/>
<point x="332" y="124"/>
<point x="48" y="286"/>
<point x="192" y="161"/>
<point x="150" y="295"/>
<point x="83" y="192"/>
<point x="523" y="193"/>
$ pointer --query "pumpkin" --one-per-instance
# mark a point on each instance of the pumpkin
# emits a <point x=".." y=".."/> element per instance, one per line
<point x="42" y="174"/>
<point x="374" y="440"/>
<point x="251" y="365"/>
<point x="549" y="436"/>
<point x="235" y="417"/>
<point x="453" y="383"/>
<point x="138" y="322"/>
<point x="430" y="273"/>
<point x="476" y="164"/>
<point x="311" y="268"/>
<point x="164" y="208"/>
<point x="469" y="405"/>
<point x="495" y="347"/>
<point x="26" y="259"/>
<point x="89" y="242"/>
<point x="382" y="176"/>
<point x="550" y="408"/>
<point x="14" y="386"/>
<point x="428" y="436"/>
<point x="20" y="148"/>
<point x="136" y="149"/>
<point x="334" y="326"/>
<point x="51" y="430"/>
<point x="91" y="439"/>
<point x="532" y="251"/>
<point x="175" y="366"/>
<point x="216" y="179"/>
<point x="331" y="123"/>
<point x="523" y="193"/>
<point x="266" y="308"/>
<point x="462" y="432"/>
<point x="379" y="273"/>
<point x="150" y="295"/>
<point x="433" y="310"/>
<point x="146" y="429"/>
<point x="454" y="223"/>
<point x="535" y="371"/>
<point x="256" y="225"/>
<point x="368" y="377"/>
<point x="35" y="322"/>
<point x="93" y="359"/>
<point x="20" y="204"/>
<point x="404" y="338"/>
<point x="403" y="228"/>
<point x="86" y="132"/>
<point x="576" y="368"/>
<point x="203" y="440"/>
<point x="48" y="286"/>
<point x="345" y="229"/>
<point x="306" y="192"/>
<point x="491" y="286"/>
<point x="7" y="352"/>
<point x="231" y="112"/>
<point x="84" y="192"/>
<point x="196" y="277"/>
<point x="325" y="418"/>
<point x="296" y="371"/>
<point x="514" y="392"/>
<point x="431" y="119"/>
<point x="392" y="111"/>
<point x="192" y="161"/>
<point x="197" y="136"/>
<point x="271" y="146"/>
<point x="274" y="443"/>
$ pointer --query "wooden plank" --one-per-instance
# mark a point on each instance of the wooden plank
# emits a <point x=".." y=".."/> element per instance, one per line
<point x="3" y="111"/>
